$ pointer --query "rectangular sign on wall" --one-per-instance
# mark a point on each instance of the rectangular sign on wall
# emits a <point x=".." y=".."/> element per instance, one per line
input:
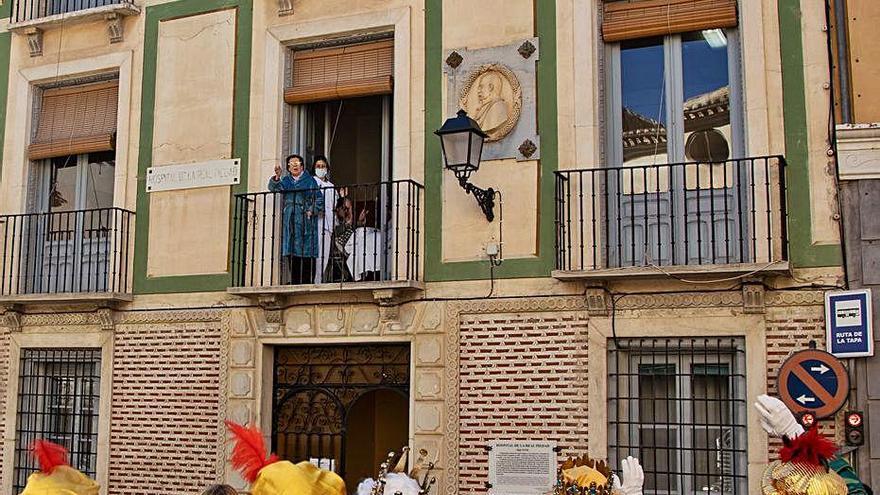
<point x="849" y="329"/>
<point x="521" y="467"/>
<point x="193" y="175"/>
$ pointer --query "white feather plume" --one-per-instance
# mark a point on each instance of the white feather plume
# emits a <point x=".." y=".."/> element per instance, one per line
<point x="401" y="483"/>
<point x="366" y="487"/>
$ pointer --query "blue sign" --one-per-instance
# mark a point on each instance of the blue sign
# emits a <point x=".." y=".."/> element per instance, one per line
<point x="848" y="323"/>
<point x="814" y="381"/>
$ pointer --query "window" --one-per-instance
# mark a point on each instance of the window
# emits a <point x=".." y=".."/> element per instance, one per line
<point x="58" y="396"/>
<point x="73" y="172"/>
<point x="679" y="406"/>
<point x="675" y="143"/>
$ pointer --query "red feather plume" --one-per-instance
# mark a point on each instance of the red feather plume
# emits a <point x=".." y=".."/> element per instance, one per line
<point x="809" y="448"/>
<point x="249" y="454"/>
<point x="49" y="455"/>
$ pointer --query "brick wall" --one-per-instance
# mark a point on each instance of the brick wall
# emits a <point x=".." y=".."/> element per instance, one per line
<point x="523" y="377"/>
<point x="167" y="408"/>
<point x="790" y="329"/>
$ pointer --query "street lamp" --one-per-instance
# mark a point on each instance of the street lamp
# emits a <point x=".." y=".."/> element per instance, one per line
<point x="462" y="141"/>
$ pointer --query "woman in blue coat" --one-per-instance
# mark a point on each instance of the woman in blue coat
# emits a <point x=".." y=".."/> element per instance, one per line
<point x="303" y="206"/>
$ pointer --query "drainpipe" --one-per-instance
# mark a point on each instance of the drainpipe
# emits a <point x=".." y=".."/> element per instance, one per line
<point x="840" y="22"/>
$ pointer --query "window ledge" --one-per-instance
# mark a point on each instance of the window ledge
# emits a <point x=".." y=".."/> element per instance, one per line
<point x="66" y="298"/>
<point x="695" y="271"/>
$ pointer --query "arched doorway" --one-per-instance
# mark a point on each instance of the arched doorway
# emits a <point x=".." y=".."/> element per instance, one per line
<point x="338" y="405"/>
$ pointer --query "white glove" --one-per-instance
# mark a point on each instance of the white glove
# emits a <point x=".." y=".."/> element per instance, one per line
<point x="776" y="419"/>
<point x="633" y="477"/>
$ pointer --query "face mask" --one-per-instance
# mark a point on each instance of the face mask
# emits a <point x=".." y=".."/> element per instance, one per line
<point x="321" y="172"/>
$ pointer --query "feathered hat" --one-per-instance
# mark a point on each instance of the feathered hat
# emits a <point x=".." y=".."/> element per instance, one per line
<point x="803" y="468"/>
<point x="270" y="476"/>
<point x="56" y="477"/>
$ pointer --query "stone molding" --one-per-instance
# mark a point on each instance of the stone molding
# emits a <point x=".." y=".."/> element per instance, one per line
<point x="858" y="148"/>
<point x="220" y="463"/>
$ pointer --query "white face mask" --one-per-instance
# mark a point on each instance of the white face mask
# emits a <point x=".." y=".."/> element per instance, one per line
<point x="321" y="172"/>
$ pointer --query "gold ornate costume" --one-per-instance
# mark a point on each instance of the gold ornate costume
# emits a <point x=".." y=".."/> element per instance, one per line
<point x="803" y="468"/>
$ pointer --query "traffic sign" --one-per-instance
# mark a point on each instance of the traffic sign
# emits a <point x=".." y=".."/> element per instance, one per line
<point x="849" y="329"/>
<point x="813" y="381"/>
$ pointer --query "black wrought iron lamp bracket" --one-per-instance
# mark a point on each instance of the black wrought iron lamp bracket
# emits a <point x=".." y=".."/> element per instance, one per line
<point x="485" y="197"/>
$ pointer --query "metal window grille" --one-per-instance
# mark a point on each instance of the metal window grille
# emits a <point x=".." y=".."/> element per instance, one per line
<point x="58" y="398"/>
<point x="679" y="405"/>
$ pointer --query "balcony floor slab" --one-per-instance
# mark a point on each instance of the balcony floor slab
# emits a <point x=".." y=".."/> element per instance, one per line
<point x="696" y="271"/>
<point x="292" y="290"/>
<point x="66" y="298"/>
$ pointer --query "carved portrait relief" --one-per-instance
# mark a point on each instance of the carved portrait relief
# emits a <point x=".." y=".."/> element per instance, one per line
<point x="492" y="96"/>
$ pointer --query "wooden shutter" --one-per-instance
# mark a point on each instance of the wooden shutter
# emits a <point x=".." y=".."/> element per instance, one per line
<point x="342" y="72"/>
<point x="629" y="19"/>
<point x="75" y="120"/>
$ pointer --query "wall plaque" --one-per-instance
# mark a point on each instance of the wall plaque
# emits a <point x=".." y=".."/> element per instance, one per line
<point x="193" y="175"/>
<point x="521" y="467"/>
<point x="496" y="86"/>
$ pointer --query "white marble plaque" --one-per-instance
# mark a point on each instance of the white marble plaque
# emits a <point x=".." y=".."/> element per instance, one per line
<point x="521" y="467"/>
<point x="193" y="175"/>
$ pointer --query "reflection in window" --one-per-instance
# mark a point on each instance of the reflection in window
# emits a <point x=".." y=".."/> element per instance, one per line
<point x="643" y="100"/>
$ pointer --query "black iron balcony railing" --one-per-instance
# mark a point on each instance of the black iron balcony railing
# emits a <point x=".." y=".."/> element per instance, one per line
<point x="30" y="10"/>
<point x="728" y="212"/>
<point x="79" y="251"/>
<point x="359" y="233"/>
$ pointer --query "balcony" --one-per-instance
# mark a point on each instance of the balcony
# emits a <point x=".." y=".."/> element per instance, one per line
<point x="69" y="256"/>
<point x="31" y="17"/>
<point x="663" y="220"/>
<point x="363" y="237"/>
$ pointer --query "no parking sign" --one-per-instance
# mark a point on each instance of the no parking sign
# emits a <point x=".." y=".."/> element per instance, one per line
<point x="813" y="381"/>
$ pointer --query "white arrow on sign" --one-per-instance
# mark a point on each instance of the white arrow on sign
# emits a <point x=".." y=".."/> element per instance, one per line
<point x="803" y="399"/>
<point x="822" y="369"/>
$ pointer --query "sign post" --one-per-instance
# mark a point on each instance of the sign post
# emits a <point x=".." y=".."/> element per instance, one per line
<point x="814" y="382"/>
<point x="849" y="329"/>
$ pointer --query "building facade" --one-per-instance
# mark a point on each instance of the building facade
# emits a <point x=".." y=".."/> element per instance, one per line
<point x="665" y="228"/>
<point x="856" y="145"/>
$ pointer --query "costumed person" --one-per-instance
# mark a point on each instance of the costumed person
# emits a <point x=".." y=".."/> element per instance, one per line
<point x="585" y="476"/>
<point x="303" y="205"/>
<point x="396" y="481"/>
<point x="268" y="475"/>
<point x="56" y="476"/>
<point x="805" y="456"/>
<point x="321" y="167"/>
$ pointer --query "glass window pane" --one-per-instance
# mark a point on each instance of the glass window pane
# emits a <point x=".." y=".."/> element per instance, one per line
<point x="706" y="85"/>
<point x="99" y="180"/>
<point x="658" y="453"/>
<point x="62" y="184"/>
<point x="643" y="97"/>
<point x="657" y="393"/>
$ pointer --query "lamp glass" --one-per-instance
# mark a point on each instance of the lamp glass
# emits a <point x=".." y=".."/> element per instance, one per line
<point x="476" y="150"/>
<point x="457" y="150"/>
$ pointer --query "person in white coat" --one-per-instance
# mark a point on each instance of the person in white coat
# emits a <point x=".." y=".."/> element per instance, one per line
<point x="321" y="168"/>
